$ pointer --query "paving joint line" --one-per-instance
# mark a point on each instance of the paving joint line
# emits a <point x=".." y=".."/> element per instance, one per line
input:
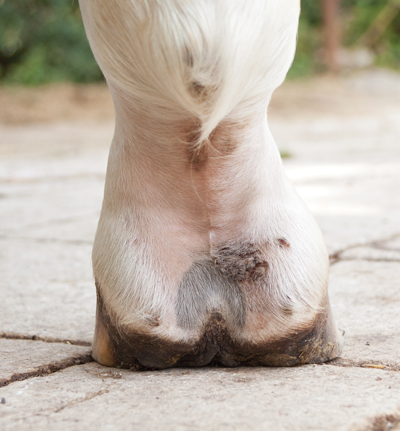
<point x="375" y="244"/>
<point x="367" y="259"/>
<point x="14" y="336"/>
<point x="48" y="369"/>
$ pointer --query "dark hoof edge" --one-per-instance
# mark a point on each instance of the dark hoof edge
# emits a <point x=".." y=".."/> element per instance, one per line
<point x="320" y="343"/>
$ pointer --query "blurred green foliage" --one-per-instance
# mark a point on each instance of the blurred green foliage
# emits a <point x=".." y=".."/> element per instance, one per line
<point x="43" y="41"/>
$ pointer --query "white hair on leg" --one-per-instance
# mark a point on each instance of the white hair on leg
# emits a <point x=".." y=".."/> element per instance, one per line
<point x="209" y="59"/>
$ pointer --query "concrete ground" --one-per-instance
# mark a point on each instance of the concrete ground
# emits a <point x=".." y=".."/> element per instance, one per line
<point x="343" y="138"/>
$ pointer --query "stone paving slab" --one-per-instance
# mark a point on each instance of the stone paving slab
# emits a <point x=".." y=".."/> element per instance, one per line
<point x="22" y="358"/>
<point x="393" y="244"/>
<point x="47" y="289"/>
<point x="351" y="203"/>
<point x="44" y="143"/>
<point x="365" y="298"/>
<point x="353" y="140"/>
<point x="346" y="168"/>
<point x="65" y="209"/>
<point x="304" y="398"/>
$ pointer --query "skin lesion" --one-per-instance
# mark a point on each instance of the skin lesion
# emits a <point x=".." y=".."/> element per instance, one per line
<point x="242" y="263"/>
<point x="283" y="243"/>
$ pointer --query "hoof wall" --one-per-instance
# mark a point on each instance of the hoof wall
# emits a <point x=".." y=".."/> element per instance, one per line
<point x="322" y="342"/>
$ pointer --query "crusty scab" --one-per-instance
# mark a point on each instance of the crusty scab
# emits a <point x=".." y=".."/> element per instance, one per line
<point x="283" y="242"/>
<point x="241" y="262"/>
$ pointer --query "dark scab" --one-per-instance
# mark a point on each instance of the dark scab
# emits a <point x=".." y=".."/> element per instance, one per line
<point x="283" y="243"/>
<point x="196" y="89"/>
<point x="243" y="262"/>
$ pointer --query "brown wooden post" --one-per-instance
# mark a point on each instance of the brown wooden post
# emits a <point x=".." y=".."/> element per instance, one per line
<point x="330" y="9"/>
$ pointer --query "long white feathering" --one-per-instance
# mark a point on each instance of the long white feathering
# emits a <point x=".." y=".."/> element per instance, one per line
<point x="207" y="59"/>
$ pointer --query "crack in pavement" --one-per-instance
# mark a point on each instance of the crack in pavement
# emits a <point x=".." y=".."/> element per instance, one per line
<point x="379" y="246"/>
<point x="375" y="244"/>
<point x="87" y="397"/>
<point x="45" y="370"/>
<point x="372" y="364"/>
<point x="14" y="336"/>
<point x="367" y="259"/>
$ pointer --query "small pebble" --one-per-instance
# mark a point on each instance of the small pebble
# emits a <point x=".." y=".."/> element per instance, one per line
<point x="3" y="401"/>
